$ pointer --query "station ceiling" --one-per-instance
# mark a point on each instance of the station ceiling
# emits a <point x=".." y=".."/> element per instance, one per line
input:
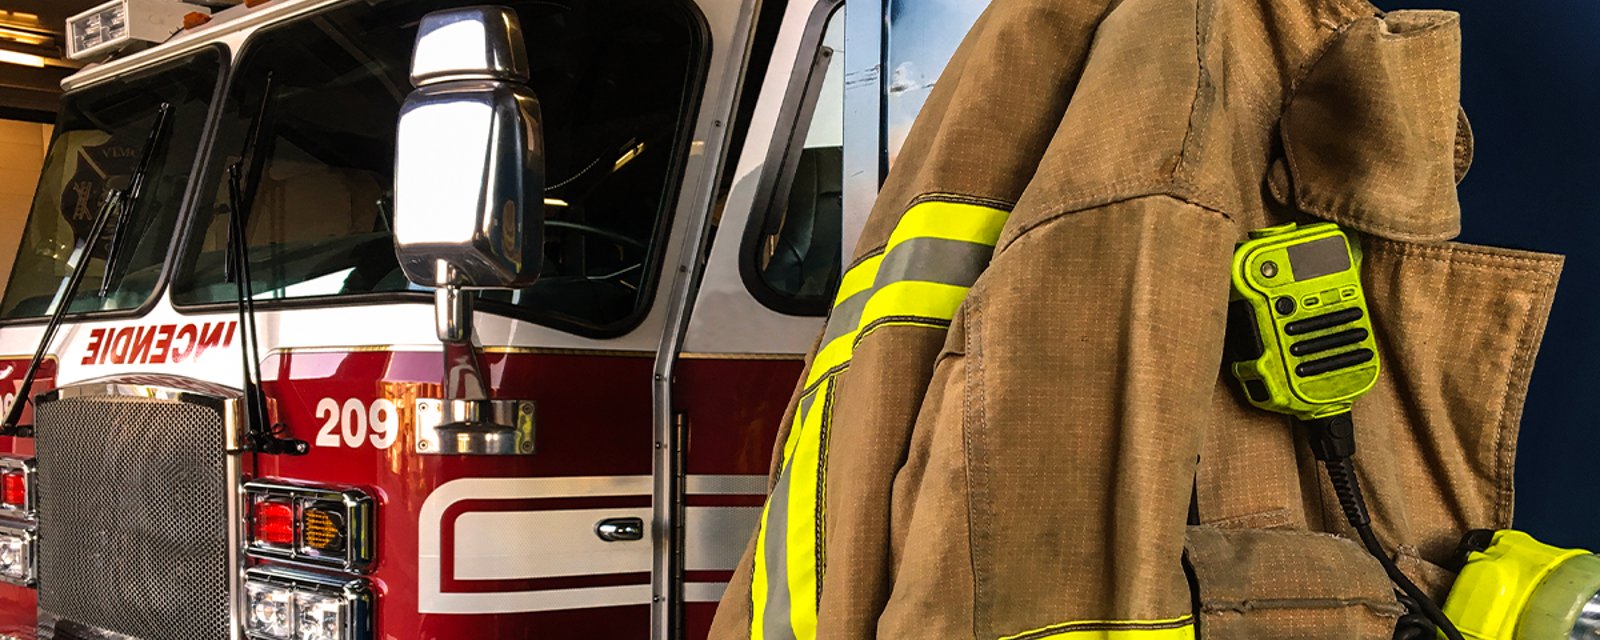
<point x="33" y="28"/>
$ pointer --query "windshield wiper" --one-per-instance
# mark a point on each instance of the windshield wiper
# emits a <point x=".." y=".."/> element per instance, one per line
<point x="116" y="201"/>
<point x="242" y="187"/>
<point x="265" y="435"/>
<point x="65" y="294"/>
<point x="158" y="134"/>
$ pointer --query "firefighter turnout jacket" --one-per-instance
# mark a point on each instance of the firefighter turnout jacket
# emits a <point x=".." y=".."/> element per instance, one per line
<point x="1019" y="393"/>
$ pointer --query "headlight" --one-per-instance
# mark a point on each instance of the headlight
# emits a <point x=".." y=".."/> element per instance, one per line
<point x="321" y="617"/>
<point x="290" y="604"/>
<point x="16" y="556"/>
<point x="271" y="610"/>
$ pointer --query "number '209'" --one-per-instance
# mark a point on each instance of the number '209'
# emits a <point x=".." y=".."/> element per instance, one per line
<point x="348" y="424"/>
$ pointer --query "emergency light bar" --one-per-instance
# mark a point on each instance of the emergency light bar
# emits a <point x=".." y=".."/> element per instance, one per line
<point x="119" y="23"/>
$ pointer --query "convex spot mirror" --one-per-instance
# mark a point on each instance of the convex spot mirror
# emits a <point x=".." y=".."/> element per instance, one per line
<point x="469" y="156"/>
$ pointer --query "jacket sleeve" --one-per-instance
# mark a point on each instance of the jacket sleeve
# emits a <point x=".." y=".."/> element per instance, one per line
<point x="1051" y="469"/>
<point x="1047" y="486"/>
<point x="821" y="564"/>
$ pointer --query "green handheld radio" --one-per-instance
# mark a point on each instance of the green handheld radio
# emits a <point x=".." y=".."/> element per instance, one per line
<point x="1299" y="335"/>
<point x="1300" y="342"/>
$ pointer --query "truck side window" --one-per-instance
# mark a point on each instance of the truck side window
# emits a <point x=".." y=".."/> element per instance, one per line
<point x="616" y="80"/>
<point x="792" y="253"/>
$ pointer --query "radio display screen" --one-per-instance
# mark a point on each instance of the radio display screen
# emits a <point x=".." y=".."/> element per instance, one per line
<point x="1319" y="258"/>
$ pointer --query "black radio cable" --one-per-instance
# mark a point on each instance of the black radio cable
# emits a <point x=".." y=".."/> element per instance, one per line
<point x="1333" y="441"/>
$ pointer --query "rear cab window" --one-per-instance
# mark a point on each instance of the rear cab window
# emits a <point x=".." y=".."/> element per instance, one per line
<point x="792" y="254"/>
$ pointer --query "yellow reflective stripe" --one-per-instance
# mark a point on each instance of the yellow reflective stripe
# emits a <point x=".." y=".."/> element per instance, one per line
<point x="1180" y="628"/>
<point x="798" y="428"/>
<point x="771" y="601"/>
<point x="836" y="353"/>
<point x="910" y="298"/>
<point x="950" y="221"/>
<point x="859" y="278"/>
<point x="804" y="524"/>
<point x="758" y="579"/>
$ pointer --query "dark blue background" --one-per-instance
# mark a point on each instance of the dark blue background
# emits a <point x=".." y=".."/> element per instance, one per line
<point x="1531" y="87"/>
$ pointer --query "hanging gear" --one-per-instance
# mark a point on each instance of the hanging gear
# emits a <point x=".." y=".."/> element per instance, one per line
<point x="1004" y="444"/>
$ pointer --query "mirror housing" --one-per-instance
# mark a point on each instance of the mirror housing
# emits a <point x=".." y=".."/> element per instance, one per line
<point x="469" y="206"/>
<point x="469" y="156"/>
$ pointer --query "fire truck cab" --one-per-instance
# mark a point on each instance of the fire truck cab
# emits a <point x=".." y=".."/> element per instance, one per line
<point x="584" y="454"/>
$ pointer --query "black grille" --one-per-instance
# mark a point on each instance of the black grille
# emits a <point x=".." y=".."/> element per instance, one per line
<point x="133" y="516"/>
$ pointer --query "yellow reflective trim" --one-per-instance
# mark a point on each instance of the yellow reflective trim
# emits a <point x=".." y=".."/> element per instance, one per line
<point x="804" y="493"/>
<point x="950" y="221"/>
<point x="901" y="302"/>
<point x="910" y="298"/>
<point x="834" y="354"/>
<point x="758" y="579"/>
<point x="859" y="278"/>
<point x="793" y="440"/>
<point x="761" y="581"/>
<point x="1180" y="628"/>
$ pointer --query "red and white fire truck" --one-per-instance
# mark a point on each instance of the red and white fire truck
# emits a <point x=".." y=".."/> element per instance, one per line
<point x="349" y="319"/>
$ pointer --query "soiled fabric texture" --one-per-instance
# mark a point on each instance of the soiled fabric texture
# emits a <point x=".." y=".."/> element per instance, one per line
<point x="1021" y="384"/>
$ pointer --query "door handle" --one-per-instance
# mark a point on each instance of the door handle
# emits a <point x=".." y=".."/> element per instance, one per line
<point x="620" y="529"/>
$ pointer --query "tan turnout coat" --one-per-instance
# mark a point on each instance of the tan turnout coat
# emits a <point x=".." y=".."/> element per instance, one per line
<point x="1017" y="460"/>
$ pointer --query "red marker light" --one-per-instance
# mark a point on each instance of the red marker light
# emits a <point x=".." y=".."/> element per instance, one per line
<point x="274" y="523"/>
<point x="14" y="489"/>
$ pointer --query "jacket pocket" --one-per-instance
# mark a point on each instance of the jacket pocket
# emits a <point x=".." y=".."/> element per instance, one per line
<point x="1273" y="584"/>
<point x="1458" y="327"/>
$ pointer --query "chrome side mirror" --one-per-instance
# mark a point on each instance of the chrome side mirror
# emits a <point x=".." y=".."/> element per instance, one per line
<point x="469" y="156"/>
<point x="469" y="203"/>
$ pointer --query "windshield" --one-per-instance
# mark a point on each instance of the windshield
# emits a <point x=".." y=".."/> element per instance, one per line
<point x="614" y="79"/>
<point x="96" y="145"/>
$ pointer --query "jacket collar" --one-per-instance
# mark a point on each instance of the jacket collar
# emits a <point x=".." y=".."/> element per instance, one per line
<point x="1373" y="134"/>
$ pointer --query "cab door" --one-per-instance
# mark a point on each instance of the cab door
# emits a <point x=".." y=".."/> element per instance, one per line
<point x="823" y="132"/>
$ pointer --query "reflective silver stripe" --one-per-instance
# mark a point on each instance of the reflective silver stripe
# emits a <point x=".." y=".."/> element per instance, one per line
<point x="802" y="411"/>
<point x="846" y="315"/>
<point x="934" y="260"/>
<point x="776" y="625"/>
<point x="938" y="260"/>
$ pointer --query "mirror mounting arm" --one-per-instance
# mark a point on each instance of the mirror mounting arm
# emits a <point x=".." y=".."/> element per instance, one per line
<point x="470" y="422"/>
<point x="463" y="368"/>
